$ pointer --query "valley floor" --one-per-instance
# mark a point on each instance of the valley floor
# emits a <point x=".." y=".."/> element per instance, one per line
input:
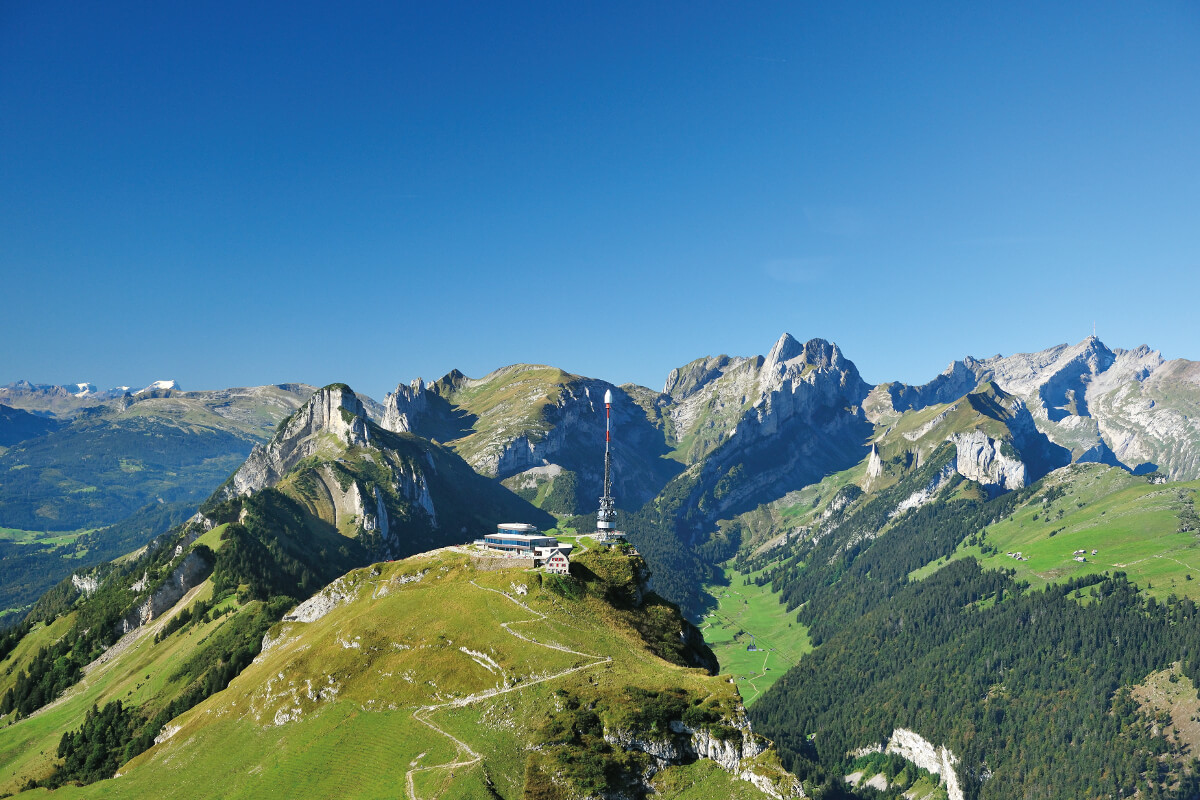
<point x="748" y="615"/>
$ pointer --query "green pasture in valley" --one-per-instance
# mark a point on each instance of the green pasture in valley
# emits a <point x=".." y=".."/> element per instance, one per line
<point x="743" y="611"/>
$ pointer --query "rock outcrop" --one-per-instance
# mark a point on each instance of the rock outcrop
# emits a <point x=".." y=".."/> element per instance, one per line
<point x="187" y="575"/>
<point x="86" y="584"/>
<point x="938" y="760"/>
<point x="685" y="745"/>
<point x="405" y="408"/>
<point x="874" y="465"/>
<point x="334" y="412"/>
<point x="983" y="459"/>
<point x="335" y="594"/>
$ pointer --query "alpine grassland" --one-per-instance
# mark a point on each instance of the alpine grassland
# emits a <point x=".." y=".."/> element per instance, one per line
<point x="749" y="614"/>
<point x="440" y="676"/>
<point x="1132" y="525"/>
<point x="138" y="671"/>
<point x="509" y="399"/>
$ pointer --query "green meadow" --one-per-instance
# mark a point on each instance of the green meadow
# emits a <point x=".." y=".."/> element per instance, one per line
<point x="1133" y="525"/>
<point x="745" y="610"/>
<point x="430" y="683"/>
<point x="46" y="538"/>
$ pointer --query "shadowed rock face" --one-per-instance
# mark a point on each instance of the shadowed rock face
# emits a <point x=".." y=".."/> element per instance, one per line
<point x="758" y="427"/>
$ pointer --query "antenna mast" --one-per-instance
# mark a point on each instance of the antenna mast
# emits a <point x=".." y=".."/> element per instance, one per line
<point x="607" y="515"/>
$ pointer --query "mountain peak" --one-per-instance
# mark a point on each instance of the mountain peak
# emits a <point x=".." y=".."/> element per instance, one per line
<point x="334" y="410"/>
<point x="785" y="349"/>
<point x="403" y="408"/>
<point x="817" y="353"/>
<point x="161" y="386"/>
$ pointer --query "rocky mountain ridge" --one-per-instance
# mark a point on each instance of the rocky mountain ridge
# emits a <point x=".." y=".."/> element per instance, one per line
<point x="1127" y="407"/>
<point x="395" y="492"/>
<point x="540" y="431"/>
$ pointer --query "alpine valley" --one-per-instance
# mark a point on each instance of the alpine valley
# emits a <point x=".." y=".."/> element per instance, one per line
<point x="984" y="586"/>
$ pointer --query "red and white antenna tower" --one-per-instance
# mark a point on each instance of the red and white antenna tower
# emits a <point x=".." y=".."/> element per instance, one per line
<point x="606" y="518"/>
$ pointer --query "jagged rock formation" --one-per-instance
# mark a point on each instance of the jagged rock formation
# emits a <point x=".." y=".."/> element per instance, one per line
<point x="334" y="411"/>
<point x="711" y="398"/>
<point x="982" y="459"/>
<point x="406" y="407"/>
<point x="1127" y="407"/>
<point x="758" y="427"/>
<point x="874" y="465"/>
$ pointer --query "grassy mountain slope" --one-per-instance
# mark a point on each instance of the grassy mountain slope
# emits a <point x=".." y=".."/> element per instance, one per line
<point x="434" y="677"/>
<point x="1146" y="530"/>
<point x="258" y="554"/>
<point x="98" y="645"/>
<point x="541" y="430"/>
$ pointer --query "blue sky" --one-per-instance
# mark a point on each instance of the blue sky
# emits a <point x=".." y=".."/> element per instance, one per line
<point x="244" y="193"/>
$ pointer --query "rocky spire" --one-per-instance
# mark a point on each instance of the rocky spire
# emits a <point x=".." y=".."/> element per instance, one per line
<point x="403" y="408"/>
<point x="334" y="410"/>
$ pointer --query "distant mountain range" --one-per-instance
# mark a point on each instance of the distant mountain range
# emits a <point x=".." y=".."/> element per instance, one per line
<point x="892" y="522"/>
<point x="725" y="434"/>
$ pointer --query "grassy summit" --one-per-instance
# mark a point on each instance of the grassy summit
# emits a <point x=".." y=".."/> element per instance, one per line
<point x="437" y="677"/>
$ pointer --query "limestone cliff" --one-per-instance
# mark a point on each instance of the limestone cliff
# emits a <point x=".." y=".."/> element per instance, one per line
<point x="757" y="427"/>
<point x="938" y="760"/>
<point x="734" y="753"/>
<point x="187" y="574"/>
<point x="405" y="408"/>
<point x="331" y="413"/>
<point x="1127" y="407"/>
<point x="984" y="460"/>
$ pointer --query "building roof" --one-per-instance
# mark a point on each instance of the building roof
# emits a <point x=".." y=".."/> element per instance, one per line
<point x="518" y="537"/>
<point x="516" y="527"/>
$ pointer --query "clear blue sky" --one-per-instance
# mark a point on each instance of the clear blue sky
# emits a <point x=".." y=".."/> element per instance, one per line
<point x="242" y="193"/>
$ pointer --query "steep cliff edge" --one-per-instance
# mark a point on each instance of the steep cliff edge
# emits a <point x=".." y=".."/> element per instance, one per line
<point x="395" y="492"/>
<point x="334" y="411"/>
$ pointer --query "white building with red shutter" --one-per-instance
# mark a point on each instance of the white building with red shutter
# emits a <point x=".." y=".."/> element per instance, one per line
<point x="556" y="561"/>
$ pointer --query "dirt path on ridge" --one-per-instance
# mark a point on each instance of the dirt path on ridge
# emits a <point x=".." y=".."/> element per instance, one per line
<point x="422" y="713"/>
